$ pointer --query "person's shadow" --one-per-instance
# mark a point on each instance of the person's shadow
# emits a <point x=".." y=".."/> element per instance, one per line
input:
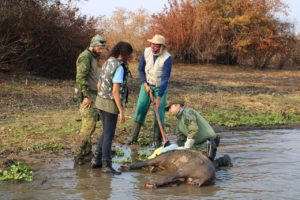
<point x="92" y="183"/>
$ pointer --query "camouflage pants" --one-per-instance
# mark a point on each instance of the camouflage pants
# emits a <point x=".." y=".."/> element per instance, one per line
<point x="89" y="118"/>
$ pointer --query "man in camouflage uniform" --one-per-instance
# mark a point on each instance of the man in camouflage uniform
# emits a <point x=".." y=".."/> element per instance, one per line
<point x="192" y="130"/>
<point x="86" y="79"/>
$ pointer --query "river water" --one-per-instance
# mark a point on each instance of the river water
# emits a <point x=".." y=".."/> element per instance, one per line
<point x="266" y="165"/>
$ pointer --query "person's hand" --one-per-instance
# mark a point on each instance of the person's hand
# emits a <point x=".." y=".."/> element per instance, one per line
<point x="122" y="117"/>
<point x="87" y="103"/>
<point x="147" y="88"/>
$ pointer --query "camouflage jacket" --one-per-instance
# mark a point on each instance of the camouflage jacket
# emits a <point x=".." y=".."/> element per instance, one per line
<point x="108" y="70"/>
<point x="87" y="72"/>
<point x="193" y="126"/>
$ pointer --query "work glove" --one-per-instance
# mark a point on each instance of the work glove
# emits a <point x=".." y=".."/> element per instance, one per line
<point x="187" y="145"/>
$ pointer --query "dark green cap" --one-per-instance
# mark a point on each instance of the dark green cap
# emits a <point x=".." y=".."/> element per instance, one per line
<point x="174" y="101"/>
<point x="97" y="41"/>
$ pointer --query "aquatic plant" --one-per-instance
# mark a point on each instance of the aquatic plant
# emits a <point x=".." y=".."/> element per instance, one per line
<point x="17" y="172"/>
<point x="126" y="160"/>
<point x="118" y="151"/>
<point x="143" y="155"/>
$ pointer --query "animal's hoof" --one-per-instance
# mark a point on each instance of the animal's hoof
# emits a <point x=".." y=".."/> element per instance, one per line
<point x="124" y="168"/>
<point x="150" y="186"/>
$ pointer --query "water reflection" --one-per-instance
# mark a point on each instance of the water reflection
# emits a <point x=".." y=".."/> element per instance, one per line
<point x="266" y="166"/>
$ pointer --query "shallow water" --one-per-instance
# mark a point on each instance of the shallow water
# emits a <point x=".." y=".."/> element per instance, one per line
<point x="266" y="166"/>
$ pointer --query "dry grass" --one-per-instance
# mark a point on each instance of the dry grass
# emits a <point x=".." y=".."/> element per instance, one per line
<point x="40" y="113"/>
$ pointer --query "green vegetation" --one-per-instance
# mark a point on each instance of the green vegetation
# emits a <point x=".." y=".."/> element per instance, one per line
<point x="18" y="172"/>
<point x="234" y="118"/>
<point x="51" y="147"/>
<point x="126" y="160"/>
<point x="143" y="155"/>
<point x="146" y="138"/>
<point x="31" y="131"/>
<point x="118" y="151"/>
<point x="49" y="121"/>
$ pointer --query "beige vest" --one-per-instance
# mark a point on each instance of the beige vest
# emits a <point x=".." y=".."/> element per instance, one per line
<point x="93" y="76"/>
<point x="154" y="70"/>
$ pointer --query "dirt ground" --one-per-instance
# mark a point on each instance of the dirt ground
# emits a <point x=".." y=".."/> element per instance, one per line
<point x="38" y="114"/>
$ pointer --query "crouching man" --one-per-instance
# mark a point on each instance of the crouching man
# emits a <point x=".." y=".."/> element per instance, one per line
<point x="194" y="132"/>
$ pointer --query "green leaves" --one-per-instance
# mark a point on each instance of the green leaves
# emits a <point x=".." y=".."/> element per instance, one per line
<point x="118" y="151"/>
<point x="17" y="171"/>
<point x="51" y="147"/>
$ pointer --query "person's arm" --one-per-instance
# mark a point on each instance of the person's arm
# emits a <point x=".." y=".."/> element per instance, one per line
<point x="83" y="69"/>
<point x="166" y="73"/>
<point x="116" y="95"/>
<point x="117" y="81"/>
<point x="142" y="73"/>
<point x="192" y="128"/>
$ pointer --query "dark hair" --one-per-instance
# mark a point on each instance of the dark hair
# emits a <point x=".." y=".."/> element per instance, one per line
<point x="121" y="48"/>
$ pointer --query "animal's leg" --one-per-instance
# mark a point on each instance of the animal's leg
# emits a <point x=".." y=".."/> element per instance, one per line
<point x="138" y="165"/>
<point x="173" y="177"/>
<point x="197" y="182"/>
<point x="151" y="162"/>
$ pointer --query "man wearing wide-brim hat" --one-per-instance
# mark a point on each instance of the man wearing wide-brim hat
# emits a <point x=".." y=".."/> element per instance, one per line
<point x="154" y="73"/>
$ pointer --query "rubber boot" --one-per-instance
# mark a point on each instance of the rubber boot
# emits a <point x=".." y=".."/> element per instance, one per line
<point x="96" y="160"/>
<point x="135" y="133"/>
<point x="107" y="167"/>
<point x="223" y="161"/>
<point x="157" y="136"/>
<point x="79" y="160"/>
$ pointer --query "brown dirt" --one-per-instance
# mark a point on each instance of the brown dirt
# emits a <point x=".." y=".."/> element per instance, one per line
<point x="202" y="86"/>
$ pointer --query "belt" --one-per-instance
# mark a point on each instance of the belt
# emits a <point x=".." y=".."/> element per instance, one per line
<point x="153" y="85"/>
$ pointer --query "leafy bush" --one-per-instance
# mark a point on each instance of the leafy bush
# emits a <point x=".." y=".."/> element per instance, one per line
<point x="224" y="31"/>
<point x="43" y="36"/>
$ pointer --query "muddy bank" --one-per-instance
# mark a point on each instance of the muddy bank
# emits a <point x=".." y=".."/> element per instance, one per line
<point x="38" y="114"/>
<point x="51" y="158"/>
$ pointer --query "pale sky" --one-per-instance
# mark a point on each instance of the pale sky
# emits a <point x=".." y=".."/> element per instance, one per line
<point x="106" y="7"/>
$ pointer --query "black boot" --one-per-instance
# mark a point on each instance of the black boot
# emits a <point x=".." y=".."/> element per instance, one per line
<point x="157" y="136"/>
<point x="107" y="167"/>
<point x="96" y="160"/>
<point x="223" y="161"/>
<point x="135" y="133"/>
<point x="79" y="160"/>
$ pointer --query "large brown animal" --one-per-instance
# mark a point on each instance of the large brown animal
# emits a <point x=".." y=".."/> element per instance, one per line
<point x="184" y="166"/>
